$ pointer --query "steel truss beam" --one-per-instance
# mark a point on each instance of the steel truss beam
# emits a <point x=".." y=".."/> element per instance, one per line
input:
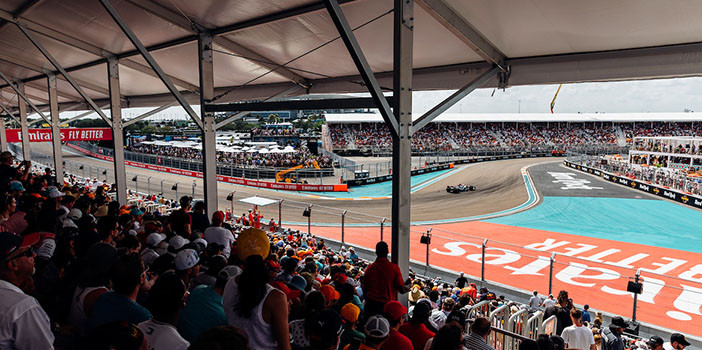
<point x="63" y="72"/>
<point x="22" y="10"/>
<point x="444" y="105"/>
<point x="150" y="60"/>
<point x="184" y="23"/>
<point x="22" y="96"/>
<point x="148" y="114"/>
<point x="85" y="114"/>
<point x="354" y="49"/>
<point x="463" y="30"/>
<point x="24" y="126"/>
<point x="87" y="47"/>
<point x="333" y="103"/>
<point x="284" y="14"/>
<point x="242" y="114"/>
<point x="9" y="114"/>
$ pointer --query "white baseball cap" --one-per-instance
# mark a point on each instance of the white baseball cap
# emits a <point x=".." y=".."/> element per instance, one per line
<point x="177" y="242"/>
<point x="75" y="214"/>
<point x="155" y="238"/>
<point x="46" y="249"/>
<point x="186" y="259"/>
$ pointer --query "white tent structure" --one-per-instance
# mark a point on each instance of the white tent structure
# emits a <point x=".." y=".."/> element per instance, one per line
<point x="60" y="55"/>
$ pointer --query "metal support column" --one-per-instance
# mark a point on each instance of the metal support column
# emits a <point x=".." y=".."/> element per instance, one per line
<point x="401" y="146"/>
<point x="209" y="152"/>
<point x="55" y="131"/>
<point x="24" y="126"/>
<point x="117" y="129"/>
<point x="3" y="135"/>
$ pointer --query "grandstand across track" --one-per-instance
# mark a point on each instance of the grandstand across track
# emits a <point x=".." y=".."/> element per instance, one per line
<point x="604" y="236"/>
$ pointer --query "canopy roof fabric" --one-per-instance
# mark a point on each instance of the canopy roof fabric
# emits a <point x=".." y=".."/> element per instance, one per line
<point x="260" y="201"/>
<point x="349" y="118"/>
<point x="544" y="41"/>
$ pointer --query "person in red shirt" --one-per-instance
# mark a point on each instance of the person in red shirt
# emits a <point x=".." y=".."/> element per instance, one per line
<point x="395" y="313"/>
<point x="473" y="291"/>
<point x="382" y="281"/>
<point x="415" y="329"/>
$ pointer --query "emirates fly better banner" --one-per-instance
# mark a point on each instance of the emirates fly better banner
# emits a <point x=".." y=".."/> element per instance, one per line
<point x="68" y="134"/>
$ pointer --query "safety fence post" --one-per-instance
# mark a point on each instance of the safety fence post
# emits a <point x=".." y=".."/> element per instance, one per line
<point x="550" y="273"/>
<point x="482" y="262"/>
<point x="343" y="218"/>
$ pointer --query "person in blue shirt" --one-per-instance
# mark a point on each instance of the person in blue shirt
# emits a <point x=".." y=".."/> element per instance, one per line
<point x="586" y="315"/>
<point x="204" y="308"/>
<point x="353" y="256"/>
<point x="120" y="304"/>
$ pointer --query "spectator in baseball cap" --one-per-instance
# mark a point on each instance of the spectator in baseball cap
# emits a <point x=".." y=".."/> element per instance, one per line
<point x="349" y="314"/>
<point x="165" y="302"/>
<point x="187" y="265"/>
<point x="395" y="313"/>
<point x="218" y="234"/>
<point x="377" y="329"/>
<point x="257" y="308"/>
<point x="655" y="343"/>
<point x="677" y="342"/>
<point x="24" y="316"/>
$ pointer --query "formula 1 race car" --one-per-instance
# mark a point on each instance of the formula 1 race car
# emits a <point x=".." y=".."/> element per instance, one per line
<point x="459" y="188"/>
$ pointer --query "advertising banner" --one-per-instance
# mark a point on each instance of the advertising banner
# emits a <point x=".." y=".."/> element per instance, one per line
<point x="67" y="134"/>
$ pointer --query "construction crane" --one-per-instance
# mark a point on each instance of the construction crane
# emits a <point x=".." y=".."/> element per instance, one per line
<point x="553" y="102"/>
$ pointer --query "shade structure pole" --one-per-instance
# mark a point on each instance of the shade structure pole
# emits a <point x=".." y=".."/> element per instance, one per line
<point x="209" y="151"/>
<point x="55" y="131"/>
<point x="117" y="130"/>
<point x="3" y="135"/>
<point x="401" y="142"/>
<point x="24" y="126"/>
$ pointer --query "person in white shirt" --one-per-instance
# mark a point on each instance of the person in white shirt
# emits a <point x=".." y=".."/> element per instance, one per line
<point x="534" y="301"/>
<point x="578" y="336"/>
<point x="165" y="302"/>
<point x="549" y="302"/>
<point x="220" y="235"/>
<point x="23" y="323"/>
<point x="677" y="342"/>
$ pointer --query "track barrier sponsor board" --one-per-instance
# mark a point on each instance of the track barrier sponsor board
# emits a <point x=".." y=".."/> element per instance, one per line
<point x="67" y="134"/>
<point x="661" y="191"/>
<point x="222" y="178"/>
<point x="372" y="180"/>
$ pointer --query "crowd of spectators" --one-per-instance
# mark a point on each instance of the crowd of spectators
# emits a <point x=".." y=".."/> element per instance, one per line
<point x="79" y="270"/>
<point x="246" y="158"/>
<point x="275" y="131"/>
<point x="464" y="136"/>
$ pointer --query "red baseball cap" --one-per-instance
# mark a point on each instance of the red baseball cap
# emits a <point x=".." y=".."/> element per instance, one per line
<point x="10" y="242"/>
<point x="394" y="310"/>
<point x="218" y="216"/>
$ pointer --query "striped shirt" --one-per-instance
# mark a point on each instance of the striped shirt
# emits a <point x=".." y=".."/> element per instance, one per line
<point x="476" y="342"/>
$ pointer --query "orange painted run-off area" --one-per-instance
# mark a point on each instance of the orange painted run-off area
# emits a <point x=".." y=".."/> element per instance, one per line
<point x="594" y="271"/>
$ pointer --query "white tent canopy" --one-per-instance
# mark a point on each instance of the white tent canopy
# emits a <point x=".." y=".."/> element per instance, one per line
<point x="544" y="41"/>
<point x="260" y="201"/>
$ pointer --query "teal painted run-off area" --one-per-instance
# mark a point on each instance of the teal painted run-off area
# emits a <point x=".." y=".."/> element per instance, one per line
<point x="382" y="189"/>
<point x="650" y="222"/>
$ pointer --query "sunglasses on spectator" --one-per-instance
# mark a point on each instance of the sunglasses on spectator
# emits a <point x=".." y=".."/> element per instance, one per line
<point x="27" y="253"/>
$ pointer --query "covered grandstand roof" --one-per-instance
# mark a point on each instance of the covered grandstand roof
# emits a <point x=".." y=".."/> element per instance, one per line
<point x="265" y="46"/>
<point x="347" y="118"/>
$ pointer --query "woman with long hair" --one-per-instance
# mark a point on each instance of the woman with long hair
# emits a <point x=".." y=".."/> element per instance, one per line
<point x="250" y="303"/>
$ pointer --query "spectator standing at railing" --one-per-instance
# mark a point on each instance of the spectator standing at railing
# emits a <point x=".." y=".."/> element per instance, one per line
<point x="612" y="335"/>
<point x="578" y="336"/>
<point x="479" y="332"/>
<point x="534" y="302"/>
<point x="382" y="281"/>
<point x="561" y="311"/>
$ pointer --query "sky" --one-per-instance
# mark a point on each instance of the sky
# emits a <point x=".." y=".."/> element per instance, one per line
<point x="661" y="95"/>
